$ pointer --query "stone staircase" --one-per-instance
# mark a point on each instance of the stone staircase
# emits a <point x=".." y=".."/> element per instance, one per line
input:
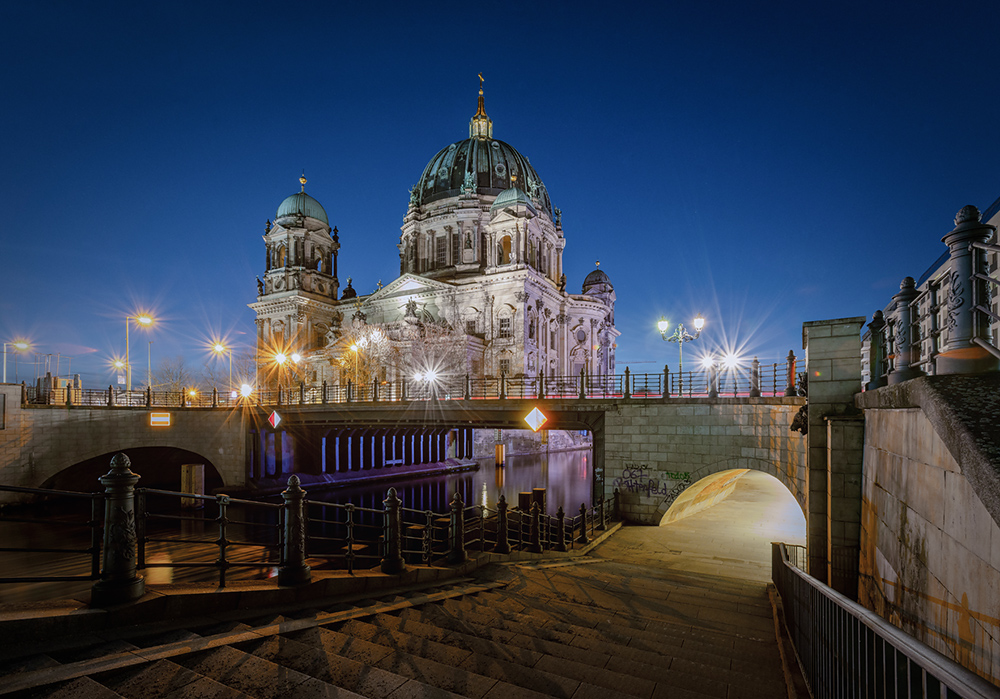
<point x="579" y="628"/>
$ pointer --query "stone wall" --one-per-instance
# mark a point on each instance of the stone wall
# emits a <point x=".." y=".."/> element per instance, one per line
<point x="527" y="442"/>
<point x="930" y="555"/>
<point x="37" y="442"/>
<point x="653" y="451"/>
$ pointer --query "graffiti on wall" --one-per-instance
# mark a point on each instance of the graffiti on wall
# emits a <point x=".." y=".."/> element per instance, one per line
<point x="639" y="478"/>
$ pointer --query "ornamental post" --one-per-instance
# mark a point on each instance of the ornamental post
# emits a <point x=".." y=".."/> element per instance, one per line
<point x="755" y="378"/>
<point x="456" y="532"/>
<point x="666" y="383"/>
<point x="392" y="563"/>
<point x="905" y="354"/>
<point x="503" y="544"/>
<point x="534" y="538"/>
<point x="628" y="384"/>
<point x="295" y="571"/>
<point x="561" y="528"/>
<point x="119" y="581"/>
<point x="876" y="352"/>
<point x="583" y="525"/>
<point x="790" y="369"/>
<point x="967" y="328"/>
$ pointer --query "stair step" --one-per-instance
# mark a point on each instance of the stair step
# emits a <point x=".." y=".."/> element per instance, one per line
<point x="166" y="679"/>
<point x="446" y="677"/>
<point x="254" y="676"/>
<point x="79" y="688"/>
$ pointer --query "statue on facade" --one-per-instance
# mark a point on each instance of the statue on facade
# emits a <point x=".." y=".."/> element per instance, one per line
<point x="414" y="196"/>
<point x="468" y="240"/>
<point x="562" y="282"/>
<point x="558" y="213"/>
<point x="469" y="185"/>
<point x="267" y="226"/>
<point x="260" y="287"/>
<point x="411" y="309"/>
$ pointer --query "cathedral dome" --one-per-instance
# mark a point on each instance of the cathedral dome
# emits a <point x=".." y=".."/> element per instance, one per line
<point x="486" y="162"/>
<point x="302" y="204"/>
<point x="594" y="278"/>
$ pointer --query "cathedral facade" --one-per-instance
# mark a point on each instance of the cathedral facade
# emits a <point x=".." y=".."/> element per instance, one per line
<point x="481" y="291"/>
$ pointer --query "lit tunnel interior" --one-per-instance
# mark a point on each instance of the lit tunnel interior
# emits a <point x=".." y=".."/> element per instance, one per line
<point x="724" y="524"/>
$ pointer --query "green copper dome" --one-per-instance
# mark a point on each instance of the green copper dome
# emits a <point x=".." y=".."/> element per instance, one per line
<point x="302" y="204"/>
<point x="511" y="197"/>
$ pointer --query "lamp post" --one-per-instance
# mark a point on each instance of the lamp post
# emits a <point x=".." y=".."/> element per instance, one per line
<point x="142" y="320"/>
<point x="220" y="348"/>
<point x="680" y="336"/>
<point x="19" y="346"/>
<point x="355" y="348"/>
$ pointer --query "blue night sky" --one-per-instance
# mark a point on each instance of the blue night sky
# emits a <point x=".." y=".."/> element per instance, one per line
<point x="764" y="164"/>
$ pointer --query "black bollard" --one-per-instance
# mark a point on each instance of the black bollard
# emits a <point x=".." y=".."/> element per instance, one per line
<point x="503" y="544"/>
<point x="393" y="564"/>
<point x="119" y="581"/>
<point x="295" y="571"/>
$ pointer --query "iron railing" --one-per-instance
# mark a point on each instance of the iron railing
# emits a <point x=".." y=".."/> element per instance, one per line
<point x="752" y="380"/>
<point x="57" y="525"/>
<point x="849" y="652"/>
<point x="197" y="533"/>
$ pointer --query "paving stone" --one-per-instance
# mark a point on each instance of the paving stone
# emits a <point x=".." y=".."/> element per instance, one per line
<point x="244" y="672"/>
<point x="162" y="678"/>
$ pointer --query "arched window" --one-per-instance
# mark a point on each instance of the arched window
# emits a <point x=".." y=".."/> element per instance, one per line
<point x="280" y="256"/>
<point x="503" y="251"/>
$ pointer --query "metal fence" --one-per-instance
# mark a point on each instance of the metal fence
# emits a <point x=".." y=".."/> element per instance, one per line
<point x="849" y="652"/>
<point x="751" y="380"/>
<point x="219" y="535"/>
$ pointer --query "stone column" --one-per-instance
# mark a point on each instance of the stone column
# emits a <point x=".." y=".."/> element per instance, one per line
<point x="833" y="363"/>
<point x="905" y="354"/>
<point x="192" y="481"/>
<point x="961" y="354"/>
<point x="119" y="581"/>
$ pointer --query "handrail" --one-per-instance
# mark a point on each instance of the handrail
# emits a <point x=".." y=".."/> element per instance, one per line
<point x="844" y="648"/>
<point x="753" y="380"/>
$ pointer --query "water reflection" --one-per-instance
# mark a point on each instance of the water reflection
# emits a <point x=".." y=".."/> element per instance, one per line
<point x="565" y="475"/>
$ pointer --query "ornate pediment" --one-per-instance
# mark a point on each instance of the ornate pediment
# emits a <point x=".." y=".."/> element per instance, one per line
<point x="409" y="285"/>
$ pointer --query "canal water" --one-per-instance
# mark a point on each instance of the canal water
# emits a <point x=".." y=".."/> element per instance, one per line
<point x="566" y="476"/>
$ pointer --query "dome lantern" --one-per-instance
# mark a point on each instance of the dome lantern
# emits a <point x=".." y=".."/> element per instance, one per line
<point x="481" y="126"/>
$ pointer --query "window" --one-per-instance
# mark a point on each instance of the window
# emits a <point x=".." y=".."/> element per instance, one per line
<point x="442" y="252"/>
<point x="456" y="256"/>
<point x="504" y="366"/>
<point x="505" y="328"/>
<point x="470" y="327"/>
<point x="531" y="329"/>
<point x="552" y="339"/>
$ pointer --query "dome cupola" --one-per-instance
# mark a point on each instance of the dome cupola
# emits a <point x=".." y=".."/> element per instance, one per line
<point x="597" y="278"/>
<point x="479" y="165"/>
<point x="511" y="197"/>
<point x="301" y="204"/>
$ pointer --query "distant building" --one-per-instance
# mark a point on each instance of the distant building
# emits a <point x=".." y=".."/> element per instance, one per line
<point x="481" y="289"/>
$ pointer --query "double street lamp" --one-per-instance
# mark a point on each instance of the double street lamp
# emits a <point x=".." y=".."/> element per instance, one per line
<point x="19" y="346"/>
<point x="680" y="336"/>
<point x="143" y="320"/>
<point x="220" y="349"/>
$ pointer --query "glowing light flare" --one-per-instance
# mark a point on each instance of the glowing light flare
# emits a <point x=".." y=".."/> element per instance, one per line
<point x="219" y="348"/>
<point x="192" y="393"/>
<point x="21" y="345"/>
<point x="245" y="390"/>
<point x="535" y="419"/>
<point x="144" y="319"/>
<point x="662" y="325"/>
<point x="708" y="361"/>
<point x="280" y="358"/>
<point x="730" y="361"/>
<point x="296" y="357"/>
<point x="699" y="322"/>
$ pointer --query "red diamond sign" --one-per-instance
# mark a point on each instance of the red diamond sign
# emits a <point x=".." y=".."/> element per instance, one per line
<point x="274" y="419"/>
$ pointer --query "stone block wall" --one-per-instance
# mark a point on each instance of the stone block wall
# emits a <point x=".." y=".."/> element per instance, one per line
<point x="39" y="441"/>
<point x="653" y="451"/>
<point x="930" y="557"/>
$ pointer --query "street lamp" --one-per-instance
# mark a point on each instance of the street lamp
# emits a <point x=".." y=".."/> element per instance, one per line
<point x="142" y="320"/>
<point x="355" y="348"/>
<point x="680" y="336"/>
<point x="19" y="346"/>
<point x="220" y="349"/>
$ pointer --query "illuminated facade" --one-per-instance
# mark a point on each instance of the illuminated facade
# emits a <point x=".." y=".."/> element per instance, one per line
<point x="481" y="289"/>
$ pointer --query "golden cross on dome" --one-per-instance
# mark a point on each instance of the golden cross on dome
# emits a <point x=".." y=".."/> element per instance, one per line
<point x="303" y="180"/>
<point x="598" y="263"/>
<point x="480" y="82"/>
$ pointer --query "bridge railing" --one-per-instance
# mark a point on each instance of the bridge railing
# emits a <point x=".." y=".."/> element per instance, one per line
<point x="748" y="380"/>
<point x="846" y="650"/>
<point x="946" y="321"/>
<point x="145" y="529"/>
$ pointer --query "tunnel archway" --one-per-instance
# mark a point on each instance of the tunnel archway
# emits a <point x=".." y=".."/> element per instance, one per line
<point x="729" y="518"/>
<point x="158" y="467"/>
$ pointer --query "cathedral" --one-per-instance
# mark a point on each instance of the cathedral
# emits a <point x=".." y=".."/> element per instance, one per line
<point x="481" y="291"/>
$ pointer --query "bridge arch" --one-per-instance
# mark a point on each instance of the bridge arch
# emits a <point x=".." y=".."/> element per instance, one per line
<point x="158" y="467"/>
<point x="737" y="466"/>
